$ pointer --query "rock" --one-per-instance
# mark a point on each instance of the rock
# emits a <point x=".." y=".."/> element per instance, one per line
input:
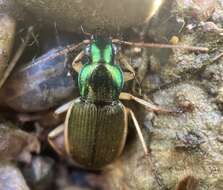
<point x="162" y="29"/>
<point x="218" y="13"/>
<point x="187" y="144"/>
<point x="184" y="147"/>
<point x="10" y="7"/>
<point x="11" y="178"/>
<point x="16" y="144"/>
<point x="199" y="9"/>
<point x="213" y="77"/>
<point x="39" y="84"/>
<point x="92" y="15"/>
<point x="39" y="174"/>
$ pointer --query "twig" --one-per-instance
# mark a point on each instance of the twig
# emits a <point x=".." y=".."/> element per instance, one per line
<point x="155" y="45"/>
<point x="16" y="57"/>
<point x="217" y="57"/>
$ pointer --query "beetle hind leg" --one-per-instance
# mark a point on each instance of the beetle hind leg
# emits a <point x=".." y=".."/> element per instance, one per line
<point x="139" y="132"/>
<point x="146" y="152"/>
<point x="56" y="140"/>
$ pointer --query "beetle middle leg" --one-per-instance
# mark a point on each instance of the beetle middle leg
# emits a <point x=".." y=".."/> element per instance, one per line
<point x="150" y="106"/>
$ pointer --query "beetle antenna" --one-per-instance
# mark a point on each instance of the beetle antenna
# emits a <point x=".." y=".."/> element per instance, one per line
<point x="66" y="50"/>
<point x="156" y="45"/>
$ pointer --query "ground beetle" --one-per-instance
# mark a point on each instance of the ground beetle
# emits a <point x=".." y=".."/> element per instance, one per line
<point x="95" y="128"/>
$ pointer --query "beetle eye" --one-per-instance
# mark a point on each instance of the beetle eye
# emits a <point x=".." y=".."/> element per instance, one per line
<point x="115" y="49"/>
<point x="87" y="50"/>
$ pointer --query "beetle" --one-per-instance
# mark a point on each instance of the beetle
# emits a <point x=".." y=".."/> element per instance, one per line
<point x="96" y="124"/>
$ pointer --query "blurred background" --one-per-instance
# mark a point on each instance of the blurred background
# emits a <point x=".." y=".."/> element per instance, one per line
<point x="185" y="149"/>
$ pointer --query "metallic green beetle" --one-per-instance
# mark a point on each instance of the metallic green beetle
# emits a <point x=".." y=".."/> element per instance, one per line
<point x="95" y="128"/>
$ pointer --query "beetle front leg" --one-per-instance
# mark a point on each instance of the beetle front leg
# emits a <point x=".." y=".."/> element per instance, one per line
<point x="150" y="106"/>
<point x="76" y="64"/>
<point x="56" y="140"/>
<point x="128" y="76"/>
<point x="125" y="63"/>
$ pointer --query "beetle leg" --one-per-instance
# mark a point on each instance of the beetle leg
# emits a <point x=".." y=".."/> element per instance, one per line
<point x="150" y="106"/>
<point x="128" y="76"/>
<point x="76" y="64"/>
<point x="146" y="152"/>
<point x="136" y="124"/>
<point x="64" y="107"/>
<point x="123" y="60"/>
<point x="56" y="140"/>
